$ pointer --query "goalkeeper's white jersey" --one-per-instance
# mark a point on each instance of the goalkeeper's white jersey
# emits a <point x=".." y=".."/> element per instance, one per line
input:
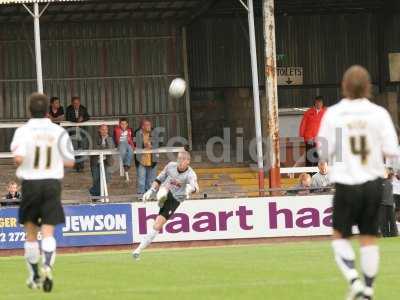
<point x="176" y="181"/>
<point x="355" y="136"/>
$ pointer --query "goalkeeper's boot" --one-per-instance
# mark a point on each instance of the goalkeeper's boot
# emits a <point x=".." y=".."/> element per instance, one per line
<point x="136" y="254"/>
<point x="356" y="291"/>
<point x="368" y="293"/>
<point x="47" y="279"/>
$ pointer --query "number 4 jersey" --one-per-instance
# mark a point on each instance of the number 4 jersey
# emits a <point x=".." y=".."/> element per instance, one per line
<point x="44" y="147"/>
<point x="355" y="136"/>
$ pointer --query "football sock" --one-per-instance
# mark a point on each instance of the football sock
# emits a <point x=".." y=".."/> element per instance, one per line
<point x="345" y="256"/>
<point x="49" y="251"/>
<point x="32" y="257"/>
<point x="369" y="266"/>
<point x="148" y="239"/>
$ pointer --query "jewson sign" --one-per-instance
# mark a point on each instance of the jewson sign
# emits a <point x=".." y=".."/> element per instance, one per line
<point x="85" y="225"/>
<point x="239" y="218"/>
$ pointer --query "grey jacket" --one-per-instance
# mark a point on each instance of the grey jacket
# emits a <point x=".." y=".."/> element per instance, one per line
<point x="155" y="143"/>
<point x="387" y="195"/>
<point x="97" y="144"/>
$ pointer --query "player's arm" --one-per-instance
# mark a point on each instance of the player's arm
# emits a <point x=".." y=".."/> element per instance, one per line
<point x="18" y="147"/>
<point x="67" y="150"/>
<point x="326" y="141"/>
<point x="192" y="185"/>
<point x="390" y="145"/>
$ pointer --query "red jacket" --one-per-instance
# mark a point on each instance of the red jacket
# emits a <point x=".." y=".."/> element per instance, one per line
<point x="117" y="135"/>
<point x="310" y="123"/>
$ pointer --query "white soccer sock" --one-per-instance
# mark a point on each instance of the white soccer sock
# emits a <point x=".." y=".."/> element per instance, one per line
<point x="49" y="251"/>
<point x="369" y="263"/>
<point x="345" y="256"/>
<point x="147" y="240"/>
<point x="32" y="257"/>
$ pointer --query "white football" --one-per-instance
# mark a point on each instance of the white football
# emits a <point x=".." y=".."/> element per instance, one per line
<point x="177" y="88"/>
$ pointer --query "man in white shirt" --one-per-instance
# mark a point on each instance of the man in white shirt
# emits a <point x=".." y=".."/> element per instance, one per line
<point x="320" y="181"/>
<point x="41" y="149"/>
<point x="355" y="136"/>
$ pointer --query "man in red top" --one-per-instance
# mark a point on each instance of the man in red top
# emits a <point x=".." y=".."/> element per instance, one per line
<point x="309" y="129"/>
<point x="123" y="138"/>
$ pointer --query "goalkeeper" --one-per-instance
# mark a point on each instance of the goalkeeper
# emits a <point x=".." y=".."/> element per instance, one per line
<point x="172" y="186"/>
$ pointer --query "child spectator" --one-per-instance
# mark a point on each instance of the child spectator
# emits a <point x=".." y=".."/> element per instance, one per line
<point x="303" y="188"/>
<point x="123" y="138"/>
<point x="13" y="197"/>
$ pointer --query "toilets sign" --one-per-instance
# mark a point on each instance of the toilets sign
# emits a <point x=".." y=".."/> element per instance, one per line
<point x="290" y="75"/>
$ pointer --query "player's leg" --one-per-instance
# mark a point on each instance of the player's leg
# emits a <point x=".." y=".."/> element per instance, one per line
<point x="369" y="229"/>
<point x="166" y="211"/>
<point x="32" y="254"/>
<point x="343" y="219"/>
<point x="148" y="239"/>
<point x="52" y="214"/>
<point x="369" y="252"/>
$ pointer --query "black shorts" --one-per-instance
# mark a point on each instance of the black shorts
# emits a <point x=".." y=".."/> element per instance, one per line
<point x="396" y="199"/>
<point x="169" y="207"/>
<point x="41" y="202"/>
<point x="357" y="205"/>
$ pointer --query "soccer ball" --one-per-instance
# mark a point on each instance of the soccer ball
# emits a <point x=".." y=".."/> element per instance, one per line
<point x="177" y="88"/>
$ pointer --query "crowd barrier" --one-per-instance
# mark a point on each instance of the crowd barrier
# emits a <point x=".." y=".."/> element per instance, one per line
<point x="209" y="219"/>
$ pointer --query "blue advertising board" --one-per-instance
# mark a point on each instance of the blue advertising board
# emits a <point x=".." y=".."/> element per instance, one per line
<point x="85" y="225"/>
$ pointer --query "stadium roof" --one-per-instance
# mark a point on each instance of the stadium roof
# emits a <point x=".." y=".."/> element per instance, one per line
<point x="183" y="10"/>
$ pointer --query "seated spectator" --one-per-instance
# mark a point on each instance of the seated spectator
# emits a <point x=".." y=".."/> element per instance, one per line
<point x="56" y="111"/>
<point x="123" y="138"/>
<point x="77" y="113"/>
<point x="387" y="220"/>
<point x="303" y="188"/>
<point x="13" y="197"/>
<point x="320" y="181"/>
<point x="102" y="141"/>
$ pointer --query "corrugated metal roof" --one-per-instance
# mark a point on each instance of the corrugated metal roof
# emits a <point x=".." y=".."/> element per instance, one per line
<point x="33" y="1"/>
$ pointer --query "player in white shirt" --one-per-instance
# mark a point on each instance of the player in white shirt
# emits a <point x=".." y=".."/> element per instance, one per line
<point x="41" y="149"/>
<point x="172" y="186"/>
<point x="355" y="136"/>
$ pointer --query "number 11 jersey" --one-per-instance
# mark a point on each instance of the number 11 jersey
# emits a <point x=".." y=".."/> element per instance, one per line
<point x="355" y="136"/>
<point x="44" y="147"/>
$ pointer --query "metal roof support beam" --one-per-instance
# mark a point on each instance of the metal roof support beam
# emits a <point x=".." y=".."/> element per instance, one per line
<point x="256" y="94"/>
<point x="36" y="14"/>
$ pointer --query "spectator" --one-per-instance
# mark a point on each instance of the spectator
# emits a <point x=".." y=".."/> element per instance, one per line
<point x="303" y="188"/>
<point x="102" y="141"/>
<point x="320" y="180"/>
<point x="13" y="197"/>
<point x="123" y="138"/>
<point x="56" y="111"/>
<point x="396" y="194"/>
<point x="387" y="221"/>
<point x="77" y="113"/>
<point x="146" y="164"/>
<point x="309" y="129"/>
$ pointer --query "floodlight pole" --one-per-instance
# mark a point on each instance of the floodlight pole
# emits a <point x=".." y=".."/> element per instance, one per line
<point x="256" y="94"/>
<point x="271" y="88"/>
<point x="36" y="14"/>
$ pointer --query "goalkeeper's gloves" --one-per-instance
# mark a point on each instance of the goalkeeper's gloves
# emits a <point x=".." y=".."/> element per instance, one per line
<point x="149" y="194"/>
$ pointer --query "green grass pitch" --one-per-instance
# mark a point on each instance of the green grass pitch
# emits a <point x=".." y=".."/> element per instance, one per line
<point x="274" y="271"/>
